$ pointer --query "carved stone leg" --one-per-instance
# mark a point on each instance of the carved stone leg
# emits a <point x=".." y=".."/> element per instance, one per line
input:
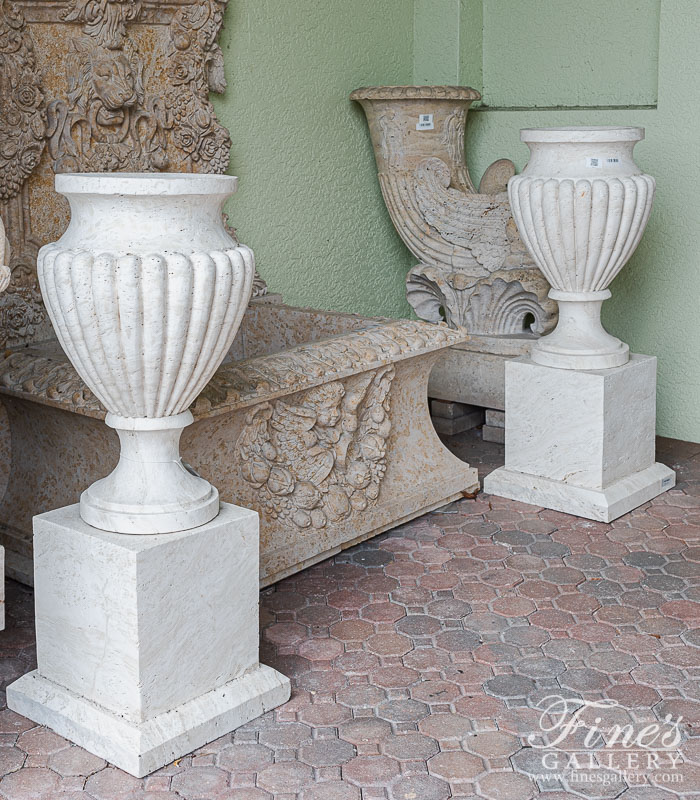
<point x="147" y="646"/>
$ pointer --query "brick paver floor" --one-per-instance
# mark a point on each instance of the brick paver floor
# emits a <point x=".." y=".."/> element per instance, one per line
<point x="423" y="661"/>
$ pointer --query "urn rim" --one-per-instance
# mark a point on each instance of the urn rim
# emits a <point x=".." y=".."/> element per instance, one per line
<point x="145" y="183"/>
<point x="582" y="134"/>
<point x="415" y="93"/>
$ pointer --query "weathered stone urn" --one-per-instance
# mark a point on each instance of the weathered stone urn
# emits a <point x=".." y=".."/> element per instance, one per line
<point x="581" y="206"/>
<point x="473" y="269"/>
<point x="146" y="291"/>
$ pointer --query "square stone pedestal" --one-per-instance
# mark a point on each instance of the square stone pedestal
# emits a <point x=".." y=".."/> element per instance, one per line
<point x="147" y="646"/>
<point x="581" y="441"/>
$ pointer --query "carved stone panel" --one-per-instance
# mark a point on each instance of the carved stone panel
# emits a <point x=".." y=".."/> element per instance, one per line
<point x="97" y="86"/>
<point x="321" y="457"/>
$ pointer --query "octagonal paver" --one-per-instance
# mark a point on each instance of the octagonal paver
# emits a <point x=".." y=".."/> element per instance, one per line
<point x="422" y="660"/>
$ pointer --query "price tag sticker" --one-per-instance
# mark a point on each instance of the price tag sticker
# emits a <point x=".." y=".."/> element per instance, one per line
<point x="425" y="122"/>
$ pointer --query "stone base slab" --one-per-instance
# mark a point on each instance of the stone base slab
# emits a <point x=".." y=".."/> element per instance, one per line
<point x="141" y="748"/>
<point x="450" y="419"/>
<point x="602" y="505"/>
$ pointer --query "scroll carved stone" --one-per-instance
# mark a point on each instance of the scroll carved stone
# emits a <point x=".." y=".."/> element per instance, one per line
<point x="474" y="271"/>
<point x="108" y="85"/>
<point x="320" y="457"/>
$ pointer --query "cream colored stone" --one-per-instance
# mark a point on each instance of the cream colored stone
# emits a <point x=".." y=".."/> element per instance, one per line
<point x="473" y="270"/>
<point x="473" y="265"/>
<point x="146" y="291"/>
<point x="581" y="206"/>
<point x="320" y="374"/>
<point x="494" y="429"/>
<point x="105" y="86"/>
<point x="581" y="442"/>
<point x="473" y="371"/>
<point x="147" y="646"/>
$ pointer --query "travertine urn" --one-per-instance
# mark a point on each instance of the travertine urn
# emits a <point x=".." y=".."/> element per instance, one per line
<point x="146" y="291"/>
<point x="581" y="206"/>
<point x="473" y="270"/>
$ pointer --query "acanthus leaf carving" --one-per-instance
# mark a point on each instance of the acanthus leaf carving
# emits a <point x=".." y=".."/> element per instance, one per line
<point x="321" y="458"/>
<point x="505" y="303"/>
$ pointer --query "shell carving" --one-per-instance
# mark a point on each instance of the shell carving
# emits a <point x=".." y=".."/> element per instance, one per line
<point x="581" y="233"/>
<point x="146" y="334"/>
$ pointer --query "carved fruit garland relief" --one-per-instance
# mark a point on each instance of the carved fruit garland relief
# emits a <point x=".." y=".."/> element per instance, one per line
<point x="320" y="459"/>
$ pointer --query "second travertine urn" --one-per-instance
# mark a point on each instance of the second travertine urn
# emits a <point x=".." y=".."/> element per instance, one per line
<point x="473" y="270"/>
<point x="581" y="206"/>
<point x="146" y="291"/>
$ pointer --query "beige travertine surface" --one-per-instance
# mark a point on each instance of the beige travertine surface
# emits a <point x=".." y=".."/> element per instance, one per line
<point x="473" y="269"/>
<point x="327" y="435"/>
<point x="581" y="206"/>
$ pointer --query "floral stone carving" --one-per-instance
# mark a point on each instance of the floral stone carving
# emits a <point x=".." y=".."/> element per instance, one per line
<point x="324" y="456"/>
<point x="474" y="271"/>
<point x="97" y="85"/>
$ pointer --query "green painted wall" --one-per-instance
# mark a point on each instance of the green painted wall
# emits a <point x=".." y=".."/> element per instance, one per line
<point x="308" y="202"/>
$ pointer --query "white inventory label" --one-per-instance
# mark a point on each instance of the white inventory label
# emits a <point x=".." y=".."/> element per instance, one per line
<point x="594" y="162"/>
<point x="425" y="122"/>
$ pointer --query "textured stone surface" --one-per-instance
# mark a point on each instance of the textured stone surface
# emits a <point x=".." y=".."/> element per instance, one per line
<point x="599" y="468"/>
<point x="143" y="650"/>
<point x="443" y="732"/>
<point x="583" y="183"/>
<point x="346" y="383"/>
<point x="473" y="269"/>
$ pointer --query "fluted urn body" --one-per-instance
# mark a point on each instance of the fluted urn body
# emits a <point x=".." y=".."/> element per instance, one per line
<point x="581" y="206"/>
<point x="146" y="291"/>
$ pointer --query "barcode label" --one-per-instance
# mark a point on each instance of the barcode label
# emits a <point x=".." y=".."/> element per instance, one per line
<point x="425" y="122"/>
<point x="594" y="162"/>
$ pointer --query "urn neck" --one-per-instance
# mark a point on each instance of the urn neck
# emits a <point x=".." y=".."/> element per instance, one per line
<point x="411" y="123"/>
<point x="146" y="213"/>
<point x="581" y="152"/>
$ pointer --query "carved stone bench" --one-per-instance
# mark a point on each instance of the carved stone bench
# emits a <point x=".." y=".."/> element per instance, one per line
<point x="320" y="424"/>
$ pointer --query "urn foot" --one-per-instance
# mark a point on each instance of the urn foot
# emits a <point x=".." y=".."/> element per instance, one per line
<point x="151" y="490"/>
<point x="579" y="341"/>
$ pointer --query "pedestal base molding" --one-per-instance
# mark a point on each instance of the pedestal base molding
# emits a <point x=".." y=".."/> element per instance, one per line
<point x="584" y="442"/>
<point x="141" y="748"/>
<point x="602" y="505"/>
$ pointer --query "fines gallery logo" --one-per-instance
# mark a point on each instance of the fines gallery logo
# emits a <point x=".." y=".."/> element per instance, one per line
<point x="598" y="742"/>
